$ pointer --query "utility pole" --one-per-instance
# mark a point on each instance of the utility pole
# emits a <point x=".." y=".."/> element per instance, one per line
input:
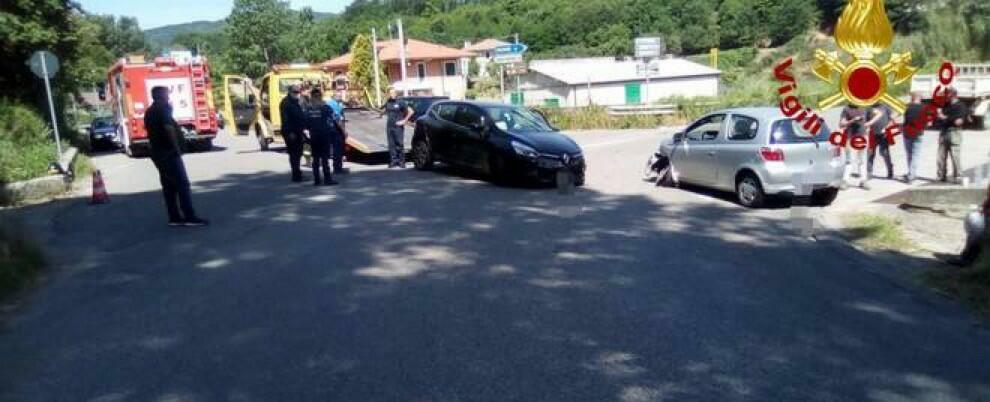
<point x="518" y="91"/>
<point x="402" y="59"/>
<point x="374" y="56"/>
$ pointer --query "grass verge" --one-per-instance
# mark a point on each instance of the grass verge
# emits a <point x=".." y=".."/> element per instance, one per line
<point x="877" y="232"/>
<point x="971" y="285"/>
<point x="20" y="259"/>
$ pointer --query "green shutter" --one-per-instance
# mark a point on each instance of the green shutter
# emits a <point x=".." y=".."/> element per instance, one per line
<point x="632" y="94"/>
<point x="551" y="102"/>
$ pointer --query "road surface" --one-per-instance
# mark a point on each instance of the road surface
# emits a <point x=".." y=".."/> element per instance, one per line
<point x="422" y="286"/>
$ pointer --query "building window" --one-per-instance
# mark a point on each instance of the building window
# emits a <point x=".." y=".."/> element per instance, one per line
<point x="450" y="68"/>
<point x="421" y="71"/>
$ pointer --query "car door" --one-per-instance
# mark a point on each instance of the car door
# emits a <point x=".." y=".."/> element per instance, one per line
<point x="737" y="147"/>
<point x="696" y="159"/>
<point x="440" y="126"/>
<point x="469" y="137"/>
<point x="240" y="103"/>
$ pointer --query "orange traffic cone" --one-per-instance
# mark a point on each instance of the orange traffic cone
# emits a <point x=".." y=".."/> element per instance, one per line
<point x="100" y="195"/>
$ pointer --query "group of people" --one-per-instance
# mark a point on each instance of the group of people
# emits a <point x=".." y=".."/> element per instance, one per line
<point x="308" y="119"/>
<point x="874" y="121"/>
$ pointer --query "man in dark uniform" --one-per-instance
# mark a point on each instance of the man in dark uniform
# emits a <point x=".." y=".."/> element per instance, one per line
<point x="879" y="119"/>
<point x="322" y="127"/>
<point x="293" y="124"/>
<point x="912" y="137"/>
<point x="955" y="114"/>
<point x="398" y="116"/>
<point x="163" y="134"/>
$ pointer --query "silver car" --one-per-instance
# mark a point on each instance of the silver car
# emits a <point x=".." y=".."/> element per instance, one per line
<point x="756" y="153"/>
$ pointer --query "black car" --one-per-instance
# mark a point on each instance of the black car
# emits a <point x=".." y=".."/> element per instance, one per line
<point x="502" y="141"/>
<point x="103" y="133"/>
<point x="420" y="104"/>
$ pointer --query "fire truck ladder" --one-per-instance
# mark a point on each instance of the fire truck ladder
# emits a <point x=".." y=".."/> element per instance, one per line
<point x="200" y="95"/>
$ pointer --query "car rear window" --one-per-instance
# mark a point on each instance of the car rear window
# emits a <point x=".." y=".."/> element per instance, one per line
<point x="788" y="131"/>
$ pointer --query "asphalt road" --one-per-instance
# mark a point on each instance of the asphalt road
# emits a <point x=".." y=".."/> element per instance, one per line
<point x="419" y="286"/>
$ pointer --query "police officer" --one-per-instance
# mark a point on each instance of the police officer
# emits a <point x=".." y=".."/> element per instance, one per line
<point x="293" y="124"/>
<point x="321" y="126"/>
<point x="955" y="114"/>
<point x="398" y="116"/>
<point x="163" y="136"/>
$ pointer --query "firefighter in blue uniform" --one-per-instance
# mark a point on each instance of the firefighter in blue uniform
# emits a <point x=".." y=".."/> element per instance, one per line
<point x="293" y="124"/>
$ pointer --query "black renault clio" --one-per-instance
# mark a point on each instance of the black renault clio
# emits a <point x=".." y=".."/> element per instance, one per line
<point x="503" y="141"/>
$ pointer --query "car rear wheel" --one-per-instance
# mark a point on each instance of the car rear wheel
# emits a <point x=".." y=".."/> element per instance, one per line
<point x="824" y="197"/>
<point x="749" y="191"/>
<point x="422" y="155"/>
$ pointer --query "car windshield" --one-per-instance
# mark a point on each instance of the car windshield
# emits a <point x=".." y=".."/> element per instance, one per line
<point x="101" y="123"/>
<point x="788" y="131"/>
<point x="517" y="119"/>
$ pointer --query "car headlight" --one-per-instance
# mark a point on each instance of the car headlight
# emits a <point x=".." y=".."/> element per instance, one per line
<point x="524" y="150"/>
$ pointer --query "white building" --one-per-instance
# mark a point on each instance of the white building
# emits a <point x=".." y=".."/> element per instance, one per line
<point x="605" y="81"/>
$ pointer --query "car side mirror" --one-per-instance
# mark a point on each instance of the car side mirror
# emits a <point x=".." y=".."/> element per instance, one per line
<point x="678" y="137"/>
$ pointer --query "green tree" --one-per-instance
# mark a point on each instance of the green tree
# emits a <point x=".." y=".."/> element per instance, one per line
<point x="121" y="35"/>
<point x="253" y="30"/>
<point x="362" y="71"/>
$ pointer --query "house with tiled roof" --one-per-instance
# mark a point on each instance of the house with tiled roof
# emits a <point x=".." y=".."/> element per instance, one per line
<point x="482" y="52"/>
<point x="431" y="69"/>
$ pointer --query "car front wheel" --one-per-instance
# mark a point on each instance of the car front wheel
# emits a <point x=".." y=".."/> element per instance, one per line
<point x="422" y="155"/>
<point x="749" y="191"/>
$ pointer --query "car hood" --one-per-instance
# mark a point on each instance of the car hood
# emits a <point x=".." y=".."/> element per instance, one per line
<point x="104" y="130"/>
<point x="547" y="142"/>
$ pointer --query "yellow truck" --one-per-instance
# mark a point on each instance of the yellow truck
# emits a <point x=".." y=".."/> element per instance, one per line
<point x="254" y="110"/>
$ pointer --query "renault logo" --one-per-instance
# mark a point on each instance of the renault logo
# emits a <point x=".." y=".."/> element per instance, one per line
<point x="567" y="159"/>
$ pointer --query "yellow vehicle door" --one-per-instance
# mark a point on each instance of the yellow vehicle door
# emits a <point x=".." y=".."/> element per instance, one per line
<point x="240" y="109"/>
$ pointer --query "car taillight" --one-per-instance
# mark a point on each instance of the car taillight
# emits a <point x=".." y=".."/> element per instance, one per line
<point x="772" y="155"/>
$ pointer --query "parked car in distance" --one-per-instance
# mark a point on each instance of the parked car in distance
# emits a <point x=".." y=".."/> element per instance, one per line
<point x="103" y="133"/>
<point x="503" y="141"/>
<point x="421" y="104"/>
<point x="756" y="153"/>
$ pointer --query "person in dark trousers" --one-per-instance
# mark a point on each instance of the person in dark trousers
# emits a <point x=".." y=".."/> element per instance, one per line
<point x="954" y="115"/>
<point x="293" y="124"/>
<point x="398" y="116"/>
<point x="322" y="127"/>
<point x="163" y="135"/>
<point x="879" y="119"/>
<point x="339" y="139"/>
<point x="913" y="137"/>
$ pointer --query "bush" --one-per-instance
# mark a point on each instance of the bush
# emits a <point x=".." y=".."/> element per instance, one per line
<point x="25" y="147"/>
<point x="597" y="117"/>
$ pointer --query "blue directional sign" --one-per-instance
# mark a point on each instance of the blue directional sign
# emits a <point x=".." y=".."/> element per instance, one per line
<point x="512" y="48"/>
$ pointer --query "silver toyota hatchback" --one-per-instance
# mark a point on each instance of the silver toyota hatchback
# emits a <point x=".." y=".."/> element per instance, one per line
<point x="756" y="153"/>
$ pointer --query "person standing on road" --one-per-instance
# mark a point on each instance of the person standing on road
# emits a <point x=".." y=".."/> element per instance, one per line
<point x="293" y="124"/>
<point x="955" y="114"/>
<point x="880" y="117"/>
<point x="912" y="139"/>
<point x="339" y="138"/>
<point x="321" y="126"/>
<point x="398" y="116"/>
<point x="163" y="135"/>
<point x="853" y="122"/>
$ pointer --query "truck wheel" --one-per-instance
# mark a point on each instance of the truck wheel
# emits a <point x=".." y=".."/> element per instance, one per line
<point x="205" y="145"/>
<point x="262" y="141"/>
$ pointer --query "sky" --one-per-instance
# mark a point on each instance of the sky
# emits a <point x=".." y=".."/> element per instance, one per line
<point x="156" y="13"/>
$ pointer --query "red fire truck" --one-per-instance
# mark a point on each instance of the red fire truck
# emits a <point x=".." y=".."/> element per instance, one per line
<point x="129" y="84"/>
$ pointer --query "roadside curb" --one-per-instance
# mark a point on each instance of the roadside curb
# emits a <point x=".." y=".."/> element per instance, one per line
<point x="41" y="188"/>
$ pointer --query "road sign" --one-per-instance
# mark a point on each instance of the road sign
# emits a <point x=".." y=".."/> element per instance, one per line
<point x="510" y="53"/>
<point x="649" y="47"/>
<point x="516" y="68"/>
<point x="44" y="64"/>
